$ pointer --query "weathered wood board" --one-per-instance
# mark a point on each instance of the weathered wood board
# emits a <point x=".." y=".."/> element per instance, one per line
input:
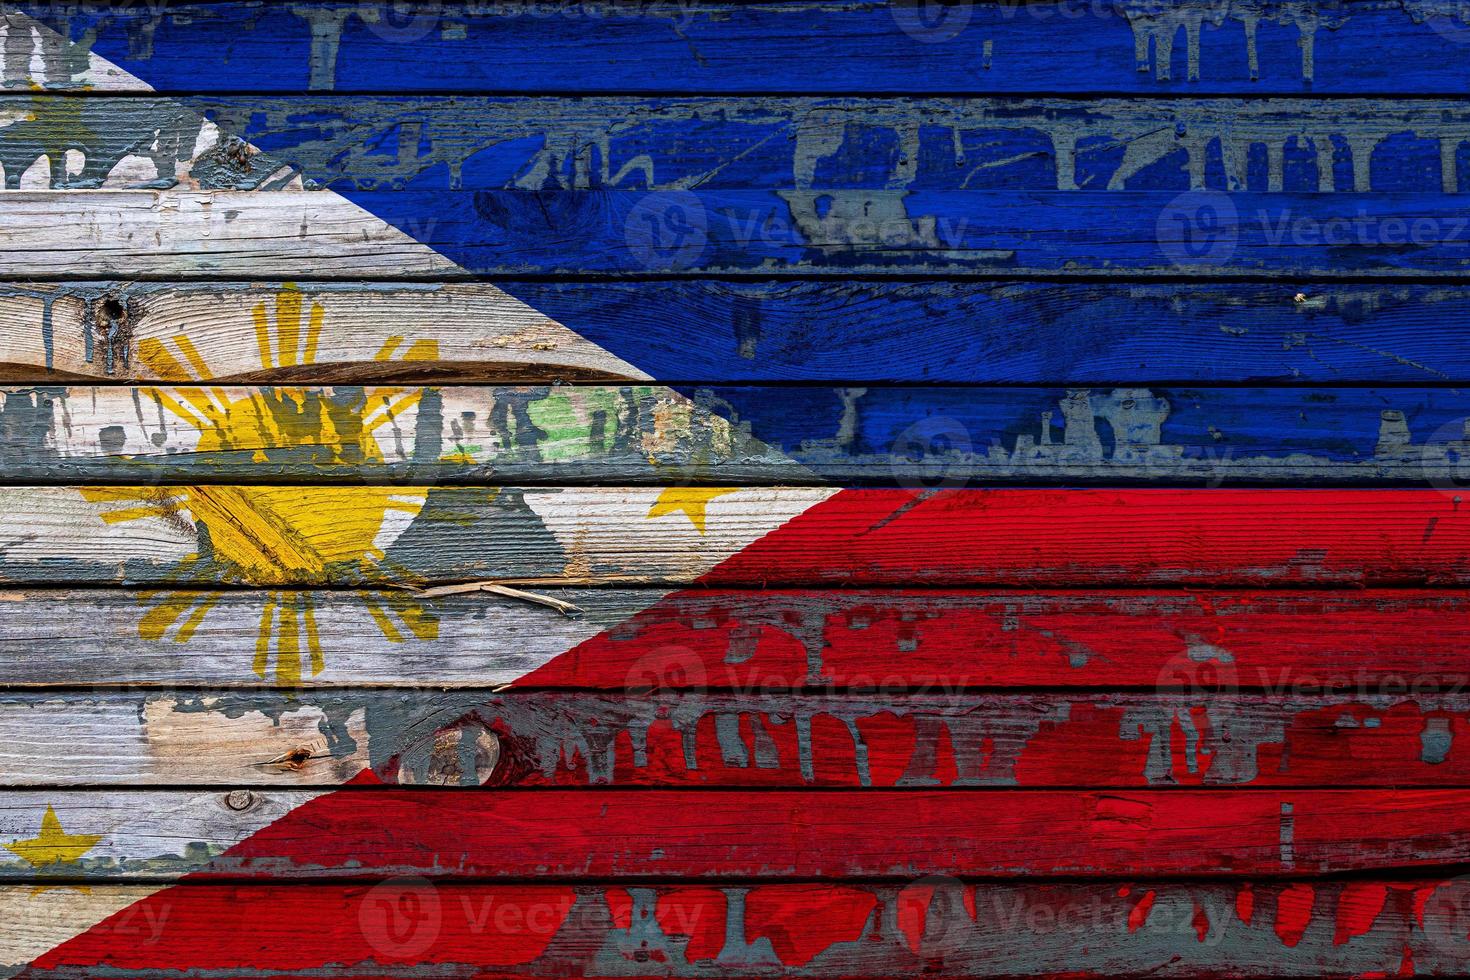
<point x="406" y="536"/>
<point x="674" y="834"/>
<point x="839" y="48"/>
<point x="704" y="332"/>
<point x="1395" y="642"/>
<point x="457" y="234"/>
<point x="936" y="926"/>
<point x="918" y="436"/>
<point x="357" y="143"/>
<point x="756" y="737"/>
<point x="732" y="490"/>
<point x="282" y="332"/>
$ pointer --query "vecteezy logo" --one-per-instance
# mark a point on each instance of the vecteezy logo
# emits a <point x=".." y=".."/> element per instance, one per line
<point x="667" y="230"/>
<point x="932" y="21"/>
<point x="1444" y="456"/>
<point x="400" y="917"/>
<point x="933" y="453"/>
<point x="1446" y="918"/>
<point x="1198" y="228"/>
<point x="1202" y="676"/>
<point x="400" y="22"/>
<point x="671" y="666"/>
<point x="933" y="913"/>
<point x="1450" y="19"/>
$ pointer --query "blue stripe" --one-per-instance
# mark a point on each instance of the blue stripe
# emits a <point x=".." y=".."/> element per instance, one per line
<point x="929" y="228"/>
<point x="1134" y="433"/>
<point x="1082" y="46"/>
<point x="981" y="333"/>
<point x="513" y="232"/>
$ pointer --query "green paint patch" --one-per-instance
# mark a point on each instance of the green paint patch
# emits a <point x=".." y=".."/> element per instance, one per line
<point x="569" y="419"/>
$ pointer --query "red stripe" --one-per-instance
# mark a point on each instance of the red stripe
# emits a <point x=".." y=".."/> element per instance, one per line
<point x="892" y="537"/>
<point x="1037" y="740"/>
<point x="850" y="930"/>
<point x="1060" y="537"/>
<point x="947" y="640"/>
<point x="862" y="833"/>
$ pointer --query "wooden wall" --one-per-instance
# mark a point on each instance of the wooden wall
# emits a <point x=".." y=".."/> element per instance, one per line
<point x="697" y="489"/>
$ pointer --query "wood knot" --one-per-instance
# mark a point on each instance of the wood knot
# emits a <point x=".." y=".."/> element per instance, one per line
<point x="111" y="320"/>
<point x="296" y="758"/>
<point x="240" y="800"/>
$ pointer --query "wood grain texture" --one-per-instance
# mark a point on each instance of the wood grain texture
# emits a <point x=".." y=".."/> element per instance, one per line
<point x="679" y="834"/>
<point x="285" y="332"/>
<point x="756" y="737"/>
<point x="1345" y="643"/>
<point x="395" y="535"/>
<point x="455" y="234"/>
<point x="928" y="928"/>
<point x="361" y="143"/>
<point x="389" y="535"/>
<point x="121" y="143"/>
<point x="1192" y="47"/>
<point x="202" y="233"/>
<point x="712" y="332"/>
<point x="903" y="249"/>
<point x="918" y="436"/>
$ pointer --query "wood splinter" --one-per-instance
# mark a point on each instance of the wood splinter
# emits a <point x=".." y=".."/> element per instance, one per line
<point x="295" y="759"/>
<point x="461" y="588"/>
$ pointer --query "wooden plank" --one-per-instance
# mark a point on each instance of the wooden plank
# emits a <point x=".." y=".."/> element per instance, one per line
<point x="371" y="832"/>
<point x="918" y="436"/>
<point x="1375" y="48"/>
<point x="398" y="535"/>
<point x="383" y="234"/>
<point x="364" y="639"/>
<point x="117" y="143"/>
<point x="1263" y="537"/>
<point x="1371" y="737"/>
<point x="476" y="143"/>
<point x="194" y="233"/>
<point x="711" y="332"/>
<point x="36" y="57"/>
<point x="932" y="928"/>
<point x="1343" y="643"/>
<point x="319" y="331"/>
<point x="386" y="535"/>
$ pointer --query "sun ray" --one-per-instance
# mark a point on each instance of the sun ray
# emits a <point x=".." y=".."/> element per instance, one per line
<point x="288" y="643"/>
<point x="208" y="413"/>
<point x="263" y="336"/>
<point x="391" y="410"/>
<point x="385" y="353"/>
<point x="138" y="513"/>
<point x="313" y="333"/>
<point x="156" y="621"/>
<point x="288" y="326"/>
<point x="416" y="614"/>
<point x="423" y="350"/>
<point x="263" y="636"/>
<point x="158" y="360"/>
<point x="385" y="625"/>
<point x="187" y="628"/>
<point x="271" y="537"/>
<point x="191" y="354"/>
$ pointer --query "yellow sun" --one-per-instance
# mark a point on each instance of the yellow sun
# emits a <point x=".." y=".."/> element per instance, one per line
<point x="279" y="535"/>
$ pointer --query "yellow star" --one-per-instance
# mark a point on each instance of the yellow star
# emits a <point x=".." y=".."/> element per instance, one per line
<point x="691" y="500"/>
<point x="54" y="845"/>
